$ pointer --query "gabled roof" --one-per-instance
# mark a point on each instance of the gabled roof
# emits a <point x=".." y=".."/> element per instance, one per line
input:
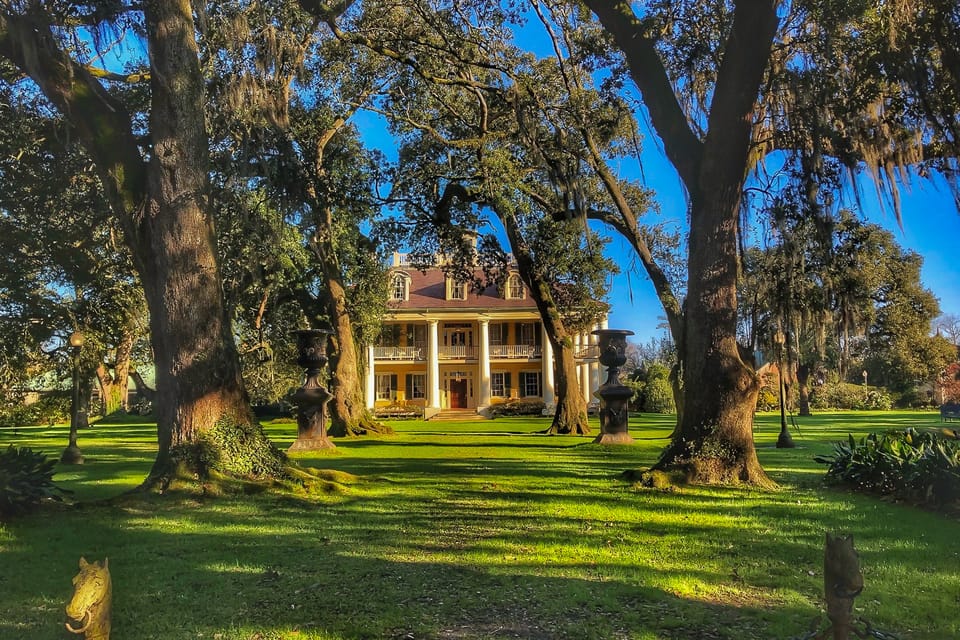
<point x="428" y="291"/>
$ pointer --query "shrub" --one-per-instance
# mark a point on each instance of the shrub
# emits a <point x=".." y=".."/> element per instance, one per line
<point x="652" y="390"/>
<point x="918" y="466"/>
<point x="515" y="407"/>
<point x="658" y="396"/>
<point x="767" y="400"/>
<point x="845" y="395"/>
<point x="26" y="479"/>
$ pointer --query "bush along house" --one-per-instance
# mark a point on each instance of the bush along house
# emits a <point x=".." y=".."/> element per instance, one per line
<point x="446" y="349"/>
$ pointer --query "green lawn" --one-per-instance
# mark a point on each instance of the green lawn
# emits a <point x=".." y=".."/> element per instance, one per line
<point x="479" y="530"/>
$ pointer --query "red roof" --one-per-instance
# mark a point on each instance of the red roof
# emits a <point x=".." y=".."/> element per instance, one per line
<point x="429" y="291"/>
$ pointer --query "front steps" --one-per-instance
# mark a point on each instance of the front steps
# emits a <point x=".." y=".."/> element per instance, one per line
<point x="459" y="415"/>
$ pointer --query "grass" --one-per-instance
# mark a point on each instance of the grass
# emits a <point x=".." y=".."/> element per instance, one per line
<point x="479" y="530"/>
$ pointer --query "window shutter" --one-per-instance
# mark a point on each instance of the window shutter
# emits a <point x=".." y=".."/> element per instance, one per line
<point x="517" y="333"/>
<point x="409" y="387"/>
<point x="506" y="385"/>
<point x="523" y="384"/>
<point x="393" y="382"/>
<point x="537" y="334"/>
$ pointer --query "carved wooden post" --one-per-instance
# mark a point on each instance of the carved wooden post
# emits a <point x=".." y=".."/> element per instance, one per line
<point x="842" y="582"/>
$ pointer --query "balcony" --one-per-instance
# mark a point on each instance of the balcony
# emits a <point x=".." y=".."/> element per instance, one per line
<point x="459" y="352"/>
<point x="587" y="353"/>
<point x="409" y="354"/>
<point x="514" y="352"/>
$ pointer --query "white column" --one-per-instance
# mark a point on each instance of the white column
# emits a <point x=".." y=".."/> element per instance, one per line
<point x="371" y="391"/>
<point x="484" y="363"/>
<point x="546" y="358"/>
<point x="585" y="371"/>
<point x="594" y="367"/>
<point x="433" y="365"/>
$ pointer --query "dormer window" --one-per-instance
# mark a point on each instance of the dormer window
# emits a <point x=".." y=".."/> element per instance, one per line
<point x="400" y="287"/>
<point x="456" y="290"/>
<point x="515" y="289"/>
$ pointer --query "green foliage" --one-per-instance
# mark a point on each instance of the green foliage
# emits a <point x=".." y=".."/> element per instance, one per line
<point x="768" y="399"/>
<point x="51" y="408"/>
<point x="918" y="466"/>
<point x="26" y="480"/>
<point x="834" y="394"/>
<point x="517" y="407"/>
<point x="653" y="391"/>
<point x="232" y="449"/>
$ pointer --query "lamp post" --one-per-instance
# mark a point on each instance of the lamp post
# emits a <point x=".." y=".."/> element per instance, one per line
<point x="72" y="455"/>
<point x="784" y="441"/>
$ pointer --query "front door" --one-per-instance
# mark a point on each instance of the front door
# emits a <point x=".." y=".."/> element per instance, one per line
<point x="458" y="394"/>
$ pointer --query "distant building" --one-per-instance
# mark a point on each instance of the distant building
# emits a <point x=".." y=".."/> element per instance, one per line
<point x="445" y="347"/>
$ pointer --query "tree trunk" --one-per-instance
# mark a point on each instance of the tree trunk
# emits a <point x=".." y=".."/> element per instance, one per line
<point x="803" y="389"/>
<point x="200" y="403"/>
<point x="113" y="385"/>
<point x="204" y="420"/>
<point x="714" y="439"/>
<point x="714" y="442"/>
<point x="570" y="415"/>
<point x="348" y="411"/>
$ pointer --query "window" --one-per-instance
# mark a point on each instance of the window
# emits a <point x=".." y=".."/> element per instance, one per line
<point x="458" y="290"/>
<point x="416" y="386"/>
<point x="515" y="289"/>
<point x="530" y="384"/>
<point x="386" y="386"/>
<point x="389" y="336"/>
<point x="500" y="384"/>
<point x="527" y="333"/>
<point x="399" y="288"/>
<point x="498" y="333"/>
<point x="417" y="335"/>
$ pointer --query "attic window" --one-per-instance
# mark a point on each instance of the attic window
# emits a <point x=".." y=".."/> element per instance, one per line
<point x="456" y="290"/>
<point x="515" y="290"/>
<point x="400" y="287"/>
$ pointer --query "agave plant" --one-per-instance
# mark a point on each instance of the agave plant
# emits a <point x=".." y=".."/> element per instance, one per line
<point x="26" y="480"/>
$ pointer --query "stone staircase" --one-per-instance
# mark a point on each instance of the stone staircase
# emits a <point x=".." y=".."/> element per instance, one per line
<point x="460" y="415"/>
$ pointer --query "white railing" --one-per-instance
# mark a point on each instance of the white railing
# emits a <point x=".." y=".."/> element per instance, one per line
<point x="399" y="353"/>
<point x="459" y="352"/>
<point x="512" y="351"/>
<point x="588" y="352"/>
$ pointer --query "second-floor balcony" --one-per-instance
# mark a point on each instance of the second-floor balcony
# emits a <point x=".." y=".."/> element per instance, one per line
<point x="514" y="352"/>
<point x="588" y="352"/>
<point x="459" y="352"/>
<point x="399" y="353"/>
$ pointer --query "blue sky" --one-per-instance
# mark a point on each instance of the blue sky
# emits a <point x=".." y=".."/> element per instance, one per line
<point x="931" y="228"/>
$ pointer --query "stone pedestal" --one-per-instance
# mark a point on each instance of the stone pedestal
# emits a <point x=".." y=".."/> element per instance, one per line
<point x="614" y="396"/>
<point x="311" y="399"/>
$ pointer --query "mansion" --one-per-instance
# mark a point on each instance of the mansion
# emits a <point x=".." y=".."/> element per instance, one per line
<point x="445" y="347"/>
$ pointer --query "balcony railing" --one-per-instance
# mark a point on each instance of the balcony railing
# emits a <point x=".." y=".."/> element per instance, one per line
<point x="399" y="353"/>
<point x="585" y="353"/>
<point x="514" y="351"/>
<point x="459" y="352"/>
<point x="471" y="352"/>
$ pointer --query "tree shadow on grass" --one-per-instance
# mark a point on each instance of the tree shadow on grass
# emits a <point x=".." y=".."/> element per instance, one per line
<point x="184" y="571"/>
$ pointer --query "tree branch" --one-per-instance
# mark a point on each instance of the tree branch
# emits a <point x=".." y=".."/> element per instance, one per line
<point x="101" y="121"/>
<point x="681" y="145"/>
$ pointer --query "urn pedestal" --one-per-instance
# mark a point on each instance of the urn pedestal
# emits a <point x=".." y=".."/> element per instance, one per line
<point x="614" y="396"/>
<point x="311" y="398"/>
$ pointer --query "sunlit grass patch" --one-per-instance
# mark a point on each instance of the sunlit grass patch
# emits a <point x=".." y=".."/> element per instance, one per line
<point x="479" y="530"/>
